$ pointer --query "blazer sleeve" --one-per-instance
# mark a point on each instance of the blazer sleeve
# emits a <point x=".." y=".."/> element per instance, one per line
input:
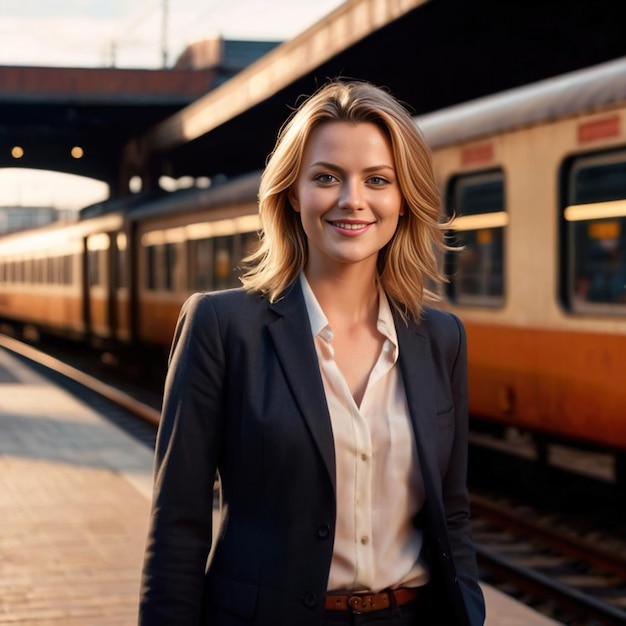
<point x="187" y="448"/>
<point x="454" y="488"/>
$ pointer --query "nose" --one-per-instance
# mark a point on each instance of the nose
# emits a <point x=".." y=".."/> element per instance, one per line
<point x="351" y="198"/>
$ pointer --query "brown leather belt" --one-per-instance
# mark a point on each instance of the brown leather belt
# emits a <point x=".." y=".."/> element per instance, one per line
<point x="367" y="602"/>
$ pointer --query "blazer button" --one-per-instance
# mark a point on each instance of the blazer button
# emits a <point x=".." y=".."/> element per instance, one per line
<point x="323" y="531"/>
<point x="310" y="599"/>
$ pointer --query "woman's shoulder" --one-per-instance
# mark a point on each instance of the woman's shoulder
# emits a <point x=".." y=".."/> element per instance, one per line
<point x="228" y="302"/>
<point x="439" y="320"/>
<point x="228" y="313"/>
<point x="445" y="331"/>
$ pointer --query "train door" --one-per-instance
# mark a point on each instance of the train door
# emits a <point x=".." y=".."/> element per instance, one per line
<point x="112" y="286"/>
<point x="120" y="287"/>
<point x="99" y="303"/>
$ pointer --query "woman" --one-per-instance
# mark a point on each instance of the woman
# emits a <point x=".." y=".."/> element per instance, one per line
<point x="329" y="397"/>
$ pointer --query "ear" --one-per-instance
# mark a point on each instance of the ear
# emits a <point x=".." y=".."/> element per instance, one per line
<point x="402" y="209"/>
<point x="292" y="196"/>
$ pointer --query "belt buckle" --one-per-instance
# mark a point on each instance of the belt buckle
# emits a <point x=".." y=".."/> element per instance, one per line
<point x="364" y="603"/>
<point x="359" y="604"/>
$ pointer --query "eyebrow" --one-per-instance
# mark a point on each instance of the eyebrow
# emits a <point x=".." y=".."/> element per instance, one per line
<point x="373" y="168"/>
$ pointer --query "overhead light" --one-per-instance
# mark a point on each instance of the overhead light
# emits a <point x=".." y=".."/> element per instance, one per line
<point x="17" y="152"/>
<point x="77" y="152"/>
<point x="135" y="184"/>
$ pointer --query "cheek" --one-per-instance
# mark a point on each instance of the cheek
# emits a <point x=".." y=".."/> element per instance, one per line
<point x="393" y="224"/>
<point x="308" y="221"/>
<point x="314" y="202"/>
<point x="394" y="211"/>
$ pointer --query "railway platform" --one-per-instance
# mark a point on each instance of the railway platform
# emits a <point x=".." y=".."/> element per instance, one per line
<point x="74" y="505"/>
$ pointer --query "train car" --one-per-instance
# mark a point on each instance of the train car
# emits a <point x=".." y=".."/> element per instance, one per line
<point x="186" y="242"/>
<point x="118" y="276"/>
<point x="537" y="178"/>
<point x="60" y="278"/>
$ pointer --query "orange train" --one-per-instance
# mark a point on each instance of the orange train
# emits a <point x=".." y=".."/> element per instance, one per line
<point x="537" y="179"/>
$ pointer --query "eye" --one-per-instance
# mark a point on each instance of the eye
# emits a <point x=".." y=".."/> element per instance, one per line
<point x="377" y="181"/>
<point x="325" y="178"/>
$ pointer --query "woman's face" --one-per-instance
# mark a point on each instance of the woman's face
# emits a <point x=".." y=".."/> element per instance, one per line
<point x="347" y="194"/>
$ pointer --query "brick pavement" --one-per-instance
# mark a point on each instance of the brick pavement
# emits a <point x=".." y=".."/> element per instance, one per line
<point x="74" y="504"/>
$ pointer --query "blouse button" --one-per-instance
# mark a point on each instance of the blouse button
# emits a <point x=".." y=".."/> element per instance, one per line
<point x="365" y="540"/>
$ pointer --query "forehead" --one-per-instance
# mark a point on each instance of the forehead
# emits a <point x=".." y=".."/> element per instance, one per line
<point x="340" y="138"/>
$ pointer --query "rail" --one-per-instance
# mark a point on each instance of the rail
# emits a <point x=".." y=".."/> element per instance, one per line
<point x="492" y="557"/>
<point x="109" y="392"/>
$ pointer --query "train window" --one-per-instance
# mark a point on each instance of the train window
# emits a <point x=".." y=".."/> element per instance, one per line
<point x="151" y="267"/>
<point x="93" y="267"/>
<point x="595" y="234"/>
<point x="224" y="263"/>
<point x="249" y="243"/>
<point x="41" y="271"/>
<point x="50" y="270"/>
<point x="20" y="271"/>
<point x="121" y="261"/>
<point x="477" y="271"/>
<point x="200" y="265"/>
<point x="169" y="259"/>
<point x="65" y="270"/>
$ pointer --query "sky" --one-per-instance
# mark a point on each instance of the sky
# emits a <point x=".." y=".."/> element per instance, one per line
<point x="126" y="33"/>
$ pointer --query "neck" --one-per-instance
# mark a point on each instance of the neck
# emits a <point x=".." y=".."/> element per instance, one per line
<point x="346" y="297"/>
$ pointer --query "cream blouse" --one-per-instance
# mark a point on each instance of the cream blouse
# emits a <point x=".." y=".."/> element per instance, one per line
<point x="379" y="483"/>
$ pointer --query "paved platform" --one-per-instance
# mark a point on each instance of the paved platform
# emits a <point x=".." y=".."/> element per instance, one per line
<point x="74" y="505"/>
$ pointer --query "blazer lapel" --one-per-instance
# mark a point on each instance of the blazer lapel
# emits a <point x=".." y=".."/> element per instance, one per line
<point x="291" y="334"/>
<point x="418" y="375"/>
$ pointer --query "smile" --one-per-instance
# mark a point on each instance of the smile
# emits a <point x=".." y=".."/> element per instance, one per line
<point x="349" y="225"/>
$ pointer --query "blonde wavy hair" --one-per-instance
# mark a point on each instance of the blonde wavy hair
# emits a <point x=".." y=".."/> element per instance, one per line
<point x="410" y="261"/>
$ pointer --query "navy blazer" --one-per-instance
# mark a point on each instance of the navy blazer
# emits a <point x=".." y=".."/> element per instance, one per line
<point x="244" y="396"/>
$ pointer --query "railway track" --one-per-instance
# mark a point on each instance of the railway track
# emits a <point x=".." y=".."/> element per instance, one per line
<point x="84" y="377"/>
<point x="550" y="528"/>
<point x="577" y="580"/>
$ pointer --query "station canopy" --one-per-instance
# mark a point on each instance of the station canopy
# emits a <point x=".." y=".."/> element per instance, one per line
<point x="435" y="54"/>
<point x="431" y="54"/>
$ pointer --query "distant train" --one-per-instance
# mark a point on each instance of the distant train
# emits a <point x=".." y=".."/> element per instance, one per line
<point x="119" y="275"/>
<point x="537" y="179"/>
